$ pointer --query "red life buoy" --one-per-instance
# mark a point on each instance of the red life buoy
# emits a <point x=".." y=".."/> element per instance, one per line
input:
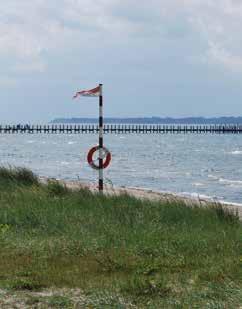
<point x="90" y="157"/>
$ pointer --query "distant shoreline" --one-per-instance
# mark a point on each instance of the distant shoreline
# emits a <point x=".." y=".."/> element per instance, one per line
<point x="154" y="120"/>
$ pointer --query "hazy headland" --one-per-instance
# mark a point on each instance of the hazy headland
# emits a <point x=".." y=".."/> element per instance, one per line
<point x="154" y="120"/>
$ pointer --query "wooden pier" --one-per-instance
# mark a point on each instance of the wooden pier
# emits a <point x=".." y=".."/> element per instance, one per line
<point x="121" y="129"/>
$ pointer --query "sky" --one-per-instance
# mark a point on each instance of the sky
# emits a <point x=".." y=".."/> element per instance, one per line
<point x="165" y="58"/>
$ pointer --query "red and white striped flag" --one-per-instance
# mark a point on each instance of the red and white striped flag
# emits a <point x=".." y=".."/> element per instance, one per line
<point x="95" y="92"/>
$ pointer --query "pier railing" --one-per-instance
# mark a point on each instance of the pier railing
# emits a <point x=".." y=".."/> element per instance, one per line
<point x="122" y="129"/>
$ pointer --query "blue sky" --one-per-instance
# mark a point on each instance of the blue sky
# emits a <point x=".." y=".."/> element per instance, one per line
<point x="173" y="58"/>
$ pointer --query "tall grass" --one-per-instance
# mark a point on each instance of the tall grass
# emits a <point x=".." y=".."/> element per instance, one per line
<point x="157" y="254"/>
<point x="17" y="175"/>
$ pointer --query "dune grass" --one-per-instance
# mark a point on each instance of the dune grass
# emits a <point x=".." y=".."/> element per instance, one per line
<point x="120" y="251"/>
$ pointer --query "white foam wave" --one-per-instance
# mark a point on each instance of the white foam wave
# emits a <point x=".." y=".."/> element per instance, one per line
<point x="236" y="152"/>
<point x="230" y="182"/>
<point x="71" y="143"/>
<point x="64" y="163"/>
<point x="199" y="196"/>
<point x="208" y="198"/>
<point x="197" y="184"/>
<point x="213" y="177"/>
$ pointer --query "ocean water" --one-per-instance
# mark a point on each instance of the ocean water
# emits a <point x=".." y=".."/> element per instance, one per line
<point x="205" y="165"/>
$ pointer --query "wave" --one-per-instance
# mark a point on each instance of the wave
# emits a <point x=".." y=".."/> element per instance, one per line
<point x="224" y="181"/>
<point x="230" y="182"/>
<point x="236" y="152"/>
<point x="197" y="195"/>
<point x="193" y="195"/>
<point x="197" y="184"/>
<point x="64" y="163"/>
<point x="213" y="177"/>
<point x="207" y="198"/>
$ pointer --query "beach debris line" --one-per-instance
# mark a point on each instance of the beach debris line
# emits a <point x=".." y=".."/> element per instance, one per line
<point x="97" y="92"/>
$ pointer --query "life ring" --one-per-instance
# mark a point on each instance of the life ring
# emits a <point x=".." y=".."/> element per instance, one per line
<point x="90" y="157"/>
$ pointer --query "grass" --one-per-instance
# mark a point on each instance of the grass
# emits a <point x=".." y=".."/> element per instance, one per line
<point x="118" y="251"/>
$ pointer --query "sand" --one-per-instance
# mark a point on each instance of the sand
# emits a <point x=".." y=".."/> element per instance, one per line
<point x="142" y="193"/>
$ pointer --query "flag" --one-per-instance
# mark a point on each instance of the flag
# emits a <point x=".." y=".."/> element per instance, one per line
<point x="95" y="92"/>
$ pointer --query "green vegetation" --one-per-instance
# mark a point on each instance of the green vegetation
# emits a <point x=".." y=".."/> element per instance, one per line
<point x="116" y="251"/>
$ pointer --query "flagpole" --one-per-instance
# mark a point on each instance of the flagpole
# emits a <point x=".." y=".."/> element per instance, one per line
<point x="100" y="182"/>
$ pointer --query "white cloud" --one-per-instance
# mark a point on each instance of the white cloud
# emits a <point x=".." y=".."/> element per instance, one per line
<point x="170" y="48"/>
<point x="218" y="22"/>
<point x="219" y="55"/>
<point x="29" y="30"/>
<point x="30" y="65"/>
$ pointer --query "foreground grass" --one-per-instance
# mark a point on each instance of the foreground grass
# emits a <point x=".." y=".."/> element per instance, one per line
<point x="114" y="252"/>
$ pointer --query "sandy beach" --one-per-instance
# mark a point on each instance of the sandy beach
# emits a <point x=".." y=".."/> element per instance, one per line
<point x="142" y="193"/>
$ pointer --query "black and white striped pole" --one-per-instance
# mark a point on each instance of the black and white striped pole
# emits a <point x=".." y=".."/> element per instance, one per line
<point x="100" y="182"/>
<point x="104" y="156"/>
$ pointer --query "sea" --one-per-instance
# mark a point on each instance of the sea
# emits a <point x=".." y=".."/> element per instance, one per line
<point x="204" y="165"/>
